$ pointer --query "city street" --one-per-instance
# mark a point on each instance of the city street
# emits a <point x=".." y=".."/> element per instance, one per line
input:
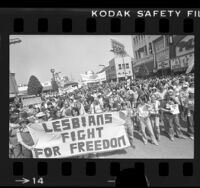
<point x="180" y="148"/>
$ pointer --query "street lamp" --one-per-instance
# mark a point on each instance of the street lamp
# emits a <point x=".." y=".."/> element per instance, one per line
<point x="53" y="71"/>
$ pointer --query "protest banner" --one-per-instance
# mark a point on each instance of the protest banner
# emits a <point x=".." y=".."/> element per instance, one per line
<point x="31" y="100"/>
<point x="79" y="135"/>
<point x="92" y="78"/>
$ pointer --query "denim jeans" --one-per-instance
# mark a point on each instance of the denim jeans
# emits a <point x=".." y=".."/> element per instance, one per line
<point x="173" y="125"/>
<point x="129" y="131"/>
<point x="155" y="122"/>
<point x="190" y="123"/>
<point x="146" y="123"/>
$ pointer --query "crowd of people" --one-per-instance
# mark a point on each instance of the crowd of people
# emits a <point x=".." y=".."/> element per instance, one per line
<point x="152" y="105"/>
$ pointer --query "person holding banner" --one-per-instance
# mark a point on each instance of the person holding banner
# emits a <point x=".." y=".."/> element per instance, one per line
<point x="18" y="136"/>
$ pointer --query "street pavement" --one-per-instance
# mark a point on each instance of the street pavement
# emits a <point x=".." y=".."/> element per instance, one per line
<point x="179" y="148"/>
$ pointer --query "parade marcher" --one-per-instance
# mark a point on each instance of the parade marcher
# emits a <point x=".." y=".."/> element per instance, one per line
<point x="190" y="114"/>
<point x="96" y="107"/>
<point x="171" y="112"/>
<point x="18" y="149"/>
<point x="154" y="115"/>
<point x="135" y="96"/>
<point x="129" y="124"/>
<point x="143" y="114"/>
<point x="183" y="96"/>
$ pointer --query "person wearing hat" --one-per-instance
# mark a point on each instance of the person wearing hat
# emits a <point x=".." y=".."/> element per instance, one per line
<point x="17" y="149"/>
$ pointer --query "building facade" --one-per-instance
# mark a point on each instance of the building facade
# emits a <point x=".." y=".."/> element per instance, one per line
<point x="120" y="68"/>
<point x="182" y="52"/>
<point x="151" y="53"/>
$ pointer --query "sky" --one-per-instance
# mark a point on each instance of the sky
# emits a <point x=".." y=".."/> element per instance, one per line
<point x="71" y="55"/>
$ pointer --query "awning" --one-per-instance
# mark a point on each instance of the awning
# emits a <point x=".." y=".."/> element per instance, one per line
<point x="144" y="69"/>
<point x="191" y="65"/>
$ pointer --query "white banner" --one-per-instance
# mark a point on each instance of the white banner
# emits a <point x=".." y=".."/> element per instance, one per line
<point x="79" y="135"/>
<point x="92" y="78"/>
<point x="31" y="101"/>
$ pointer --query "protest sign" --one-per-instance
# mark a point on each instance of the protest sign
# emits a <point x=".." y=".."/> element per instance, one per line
<point x="79" y="135"/>
<point x="31" y="101"/>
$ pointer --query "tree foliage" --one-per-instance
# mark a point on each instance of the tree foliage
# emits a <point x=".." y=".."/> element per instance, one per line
<point x="34" y="86"/>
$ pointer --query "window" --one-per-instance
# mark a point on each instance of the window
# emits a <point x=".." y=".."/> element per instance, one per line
<point x="120" y="67"/>
<point x="145" y="50"/>
<point x="166" y="41"/>
<point x="150" y="48"/>
<point x="123" y="65"/>
<point x="159" y="44"/>
<point x="127" y="65"/>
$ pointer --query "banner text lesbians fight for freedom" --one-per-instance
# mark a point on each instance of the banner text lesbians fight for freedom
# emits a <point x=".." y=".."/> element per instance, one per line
<point x="79" y="135"/>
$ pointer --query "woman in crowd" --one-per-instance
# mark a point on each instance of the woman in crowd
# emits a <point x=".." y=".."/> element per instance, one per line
<point x="154" y="115"/>
<point x="143" y="114"/>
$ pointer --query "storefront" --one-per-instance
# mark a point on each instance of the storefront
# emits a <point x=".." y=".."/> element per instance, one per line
<point x="143" y="70"/>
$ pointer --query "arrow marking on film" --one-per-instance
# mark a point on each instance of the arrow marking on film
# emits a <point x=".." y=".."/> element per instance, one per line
<point x="23" y="180"/>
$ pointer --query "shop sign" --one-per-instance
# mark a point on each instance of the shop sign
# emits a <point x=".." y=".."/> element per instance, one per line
<point x="163" y="64"/>
<point x="182" y="61"/>
<point x="185" y="46"/>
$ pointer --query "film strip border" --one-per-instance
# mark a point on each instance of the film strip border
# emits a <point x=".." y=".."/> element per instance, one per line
<point x="80" y="21"/>
<point x="92" y="25"/>
<point x="164" y="172"/>
<point x="92" y="172"/>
